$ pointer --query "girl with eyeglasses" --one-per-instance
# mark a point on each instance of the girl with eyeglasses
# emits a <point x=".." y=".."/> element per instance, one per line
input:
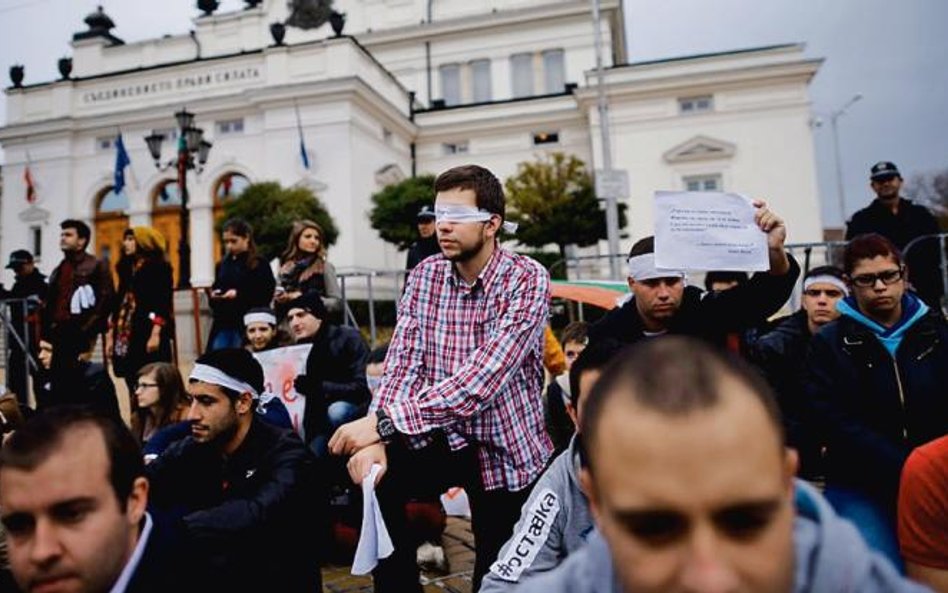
<point x="161" y="400"/>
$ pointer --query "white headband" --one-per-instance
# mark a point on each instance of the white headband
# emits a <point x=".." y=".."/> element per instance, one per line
<point x="468" y="214"/>
<point x="215" y="376"/>
<point x="642" y="267"/>
<point x="826" y="279"/>
<point x="260" y="317"/>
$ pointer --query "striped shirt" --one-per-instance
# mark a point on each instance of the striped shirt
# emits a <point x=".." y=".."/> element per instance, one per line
<point x="467" y="360"/>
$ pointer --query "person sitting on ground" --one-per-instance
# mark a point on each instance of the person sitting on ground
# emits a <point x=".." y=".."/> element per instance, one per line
<point x="781" y="355"/>
<point x="64" y="378"/>
<point x="261" y="332"/>
<point x="663" y="304"/>
<point x="162" y="399"/>
<point x="875" y="380"/>
<point x="923" y="514"/>
<point x="543" y="538"/>
<point x="683" y="503"/>
<point x="334" y="384"/>
<point x="72" y="498"/>
<point x="558" y="422"/>
<point x="237" y="483"/>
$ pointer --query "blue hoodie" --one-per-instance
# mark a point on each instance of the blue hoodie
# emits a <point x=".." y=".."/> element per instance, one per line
<point x="830" y="557"/>
<point x="913" y="309"/>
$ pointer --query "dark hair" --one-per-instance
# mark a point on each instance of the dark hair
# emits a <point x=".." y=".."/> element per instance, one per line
<point x="869" y="246"/>
<point x="643" y="246"/>
<point x="576" y="331"/>
<point x="237" y="363"/>
<point x="489" y="194"/>
<point x="82" y="229"/>
<point x="40" y="436"/>
<point x="242" y="228"/>
<point x="723" y="276"/>
<point x="594" y="357"/>
<point x="825" y="271"/>
<point x="171" y="393"/>
<point x="672" y="376"/>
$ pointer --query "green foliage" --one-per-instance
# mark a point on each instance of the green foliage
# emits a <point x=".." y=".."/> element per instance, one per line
<point x="397" y="205"/>
<point x="554" y="201"/>
<point x="272" y="209"/>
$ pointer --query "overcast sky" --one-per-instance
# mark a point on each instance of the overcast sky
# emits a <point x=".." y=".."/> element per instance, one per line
<point x="893" y="53"/>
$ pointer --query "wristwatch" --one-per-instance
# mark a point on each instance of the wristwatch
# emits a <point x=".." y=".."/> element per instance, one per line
<point x="385" y="427"/>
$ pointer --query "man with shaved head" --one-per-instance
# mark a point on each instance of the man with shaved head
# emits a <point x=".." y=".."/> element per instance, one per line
<point x="692" y="489"/>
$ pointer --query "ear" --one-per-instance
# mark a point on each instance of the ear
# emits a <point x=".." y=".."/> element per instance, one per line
<point x="137" y="500"/>
<point x="244" y="403"/>
<point x="791" y="463"/>
<point x="589" y="489"/>
<point x="631" y="283"/>
<point x="571" y="411"/>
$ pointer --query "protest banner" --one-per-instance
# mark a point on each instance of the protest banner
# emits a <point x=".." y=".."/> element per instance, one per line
<point x="280" y="367"/>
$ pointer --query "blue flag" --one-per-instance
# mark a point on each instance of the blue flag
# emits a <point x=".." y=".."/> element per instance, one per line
<point x="121" y="161"/>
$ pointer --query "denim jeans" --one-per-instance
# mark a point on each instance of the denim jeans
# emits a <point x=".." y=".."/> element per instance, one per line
<point x="872" y="521"/>
<point x="338" y="413"/>
<point x="225" y="338"/>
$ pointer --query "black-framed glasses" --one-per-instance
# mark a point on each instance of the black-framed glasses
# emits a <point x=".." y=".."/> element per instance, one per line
<point x="141" y="385"/>
<point x="869" y="280"/>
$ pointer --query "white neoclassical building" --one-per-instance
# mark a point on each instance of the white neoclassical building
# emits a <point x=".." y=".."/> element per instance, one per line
<point x="414" y="86"/>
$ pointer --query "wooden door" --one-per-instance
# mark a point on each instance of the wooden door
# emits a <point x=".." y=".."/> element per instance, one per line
<point x="109" y="230"/>
<point x="167" y="221"/>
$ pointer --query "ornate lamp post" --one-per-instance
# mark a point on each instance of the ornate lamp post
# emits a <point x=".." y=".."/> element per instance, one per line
<point x="193" y="151"/>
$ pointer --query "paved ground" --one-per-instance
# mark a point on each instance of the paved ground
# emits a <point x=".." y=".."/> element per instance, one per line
<point x="458" y="542"/>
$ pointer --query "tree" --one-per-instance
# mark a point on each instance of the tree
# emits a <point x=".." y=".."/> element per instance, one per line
<point x="931" y="189"/>
<point x="396" y="207"/>
<point x="552" y="199"/>
<point x="272" y="210"/>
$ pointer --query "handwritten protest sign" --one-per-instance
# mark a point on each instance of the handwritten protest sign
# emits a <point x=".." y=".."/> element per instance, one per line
<point x="280" y="368"/>
<point x="708" y="231"/>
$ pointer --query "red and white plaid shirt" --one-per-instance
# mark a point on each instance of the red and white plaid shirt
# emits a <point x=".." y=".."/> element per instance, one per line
<point x="469" y="360"/>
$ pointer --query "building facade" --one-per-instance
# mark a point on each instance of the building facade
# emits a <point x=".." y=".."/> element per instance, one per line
<point x="414" y="86"/>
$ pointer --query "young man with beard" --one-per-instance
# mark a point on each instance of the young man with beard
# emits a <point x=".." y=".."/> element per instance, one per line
<point x="876" y="379"/>
<point x="692" y="489"/>
<point x="243" y="491"/>
<point x="460" y="402"/>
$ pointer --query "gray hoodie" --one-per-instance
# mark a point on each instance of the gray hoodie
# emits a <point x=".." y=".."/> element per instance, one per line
<point x="831" y="557"/>
<point x="554" y="522"/>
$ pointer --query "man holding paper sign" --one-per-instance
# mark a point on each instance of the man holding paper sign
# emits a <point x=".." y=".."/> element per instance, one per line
<point x="662" y="302"/>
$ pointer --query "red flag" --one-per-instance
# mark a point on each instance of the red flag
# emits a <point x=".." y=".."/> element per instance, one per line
<point x="30" y="186"/>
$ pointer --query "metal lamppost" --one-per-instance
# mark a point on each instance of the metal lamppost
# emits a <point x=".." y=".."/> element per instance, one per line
<point x="191" y="144"/>
<point x="835" y="115"/>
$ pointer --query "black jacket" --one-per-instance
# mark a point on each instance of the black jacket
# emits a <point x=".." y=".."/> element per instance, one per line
<point x="781" y="356"/>
<point x="873" y="409"/>
<point x="151" y="286"/>
<point x="911" y="221"/>
<point x="707" y="315"/>
<point x="251" y="517"/>
<point x="85" y="384"/>
<point x="335" y="371"/>
<point x="254" y="286"/>
<point x="421" y="249"/>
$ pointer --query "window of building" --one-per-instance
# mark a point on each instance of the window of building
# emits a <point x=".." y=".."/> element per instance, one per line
<point x="36" y="234"/>
<point x="541" y="138"/>
<point x="454" y="148"/>
<point x="480" y="81"/>
<point x="386" y="135"/>
<point x="695" y="104"/>
<point x="229" y="126"/>
<point x="521" y="71"/>
<point x="703" y="183"/>
<point x="554" y="71"/>
<point x="450" y="84"/>
<point x="104" y="143"/>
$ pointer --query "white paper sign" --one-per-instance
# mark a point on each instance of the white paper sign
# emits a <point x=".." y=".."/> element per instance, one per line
<point x="280" y="368"/>
<point x="708" y="231"/>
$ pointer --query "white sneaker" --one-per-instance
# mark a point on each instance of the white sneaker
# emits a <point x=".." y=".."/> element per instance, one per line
<point x="431" y="557"/>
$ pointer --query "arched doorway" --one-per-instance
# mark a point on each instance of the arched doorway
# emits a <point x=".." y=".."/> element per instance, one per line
<point x="166" y="219"/>
<point x="228" y="187"/>
<point x="111" y="221"/>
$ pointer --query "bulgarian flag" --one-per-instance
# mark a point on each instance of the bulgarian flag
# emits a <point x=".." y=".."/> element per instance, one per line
<point x="30" y="185"/>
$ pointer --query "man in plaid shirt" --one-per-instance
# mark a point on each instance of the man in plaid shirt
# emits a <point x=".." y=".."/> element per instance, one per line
<point x="460" y="401"/>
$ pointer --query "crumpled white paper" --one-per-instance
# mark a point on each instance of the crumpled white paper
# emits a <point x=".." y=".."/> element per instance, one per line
<point x="374" y="541"/>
